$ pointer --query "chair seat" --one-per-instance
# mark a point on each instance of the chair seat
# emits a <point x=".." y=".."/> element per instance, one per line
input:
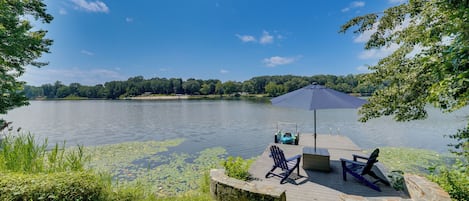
<point x="286" y="165"/>
<point x="291" y="164"/>
<point x="359" y="169"/>
<point x="356" y="166"/>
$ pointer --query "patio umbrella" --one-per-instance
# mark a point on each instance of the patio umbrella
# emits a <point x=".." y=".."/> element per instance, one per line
<point x="313" y="97"/>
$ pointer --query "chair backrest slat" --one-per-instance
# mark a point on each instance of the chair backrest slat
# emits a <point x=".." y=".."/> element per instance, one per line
<point x="279" y="157"/>
<point x="371" y="161"/>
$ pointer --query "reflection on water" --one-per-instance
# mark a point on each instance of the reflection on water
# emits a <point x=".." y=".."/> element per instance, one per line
<point x="243" y="128"/>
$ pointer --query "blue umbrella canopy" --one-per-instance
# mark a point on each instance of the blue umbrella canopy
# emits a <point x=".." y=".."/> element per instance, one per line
<point x="313" y="97"/>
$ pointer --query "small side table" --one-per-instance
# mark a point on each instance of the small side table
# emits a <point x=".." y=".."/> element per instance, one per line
<point x="316" y="160"/>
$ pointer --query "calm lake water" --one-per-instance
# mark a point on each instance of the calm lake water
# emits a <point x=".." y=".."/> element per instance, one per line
<point x="243" y="128"/>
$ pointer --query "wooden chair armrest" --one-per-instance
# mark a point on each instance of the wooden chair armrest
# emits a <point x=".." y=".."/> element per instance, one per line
<point x="358" y="156"/>
<point x="350" y="161"/>
<point x="294" y="157"/>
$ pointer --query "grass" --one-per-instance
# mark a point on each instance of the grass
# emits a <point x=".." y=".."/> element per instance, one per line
<point x="22" y="153"/>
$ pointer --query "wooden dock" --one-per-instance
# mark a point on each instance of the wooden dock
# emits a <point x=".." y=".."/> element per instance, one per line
<point x="317" y="185"/>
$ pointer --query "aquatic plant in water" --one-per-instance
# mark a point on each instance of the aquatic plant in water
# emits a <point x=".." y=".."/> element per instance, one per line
<point x="412" y="160"/>
<point x="399" y="160"/>
<point x="150" y="166"/>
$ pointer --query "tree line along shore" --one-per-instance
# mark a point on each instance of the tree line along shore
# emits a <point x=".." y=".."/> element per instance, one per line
<point x="177" y="88"/>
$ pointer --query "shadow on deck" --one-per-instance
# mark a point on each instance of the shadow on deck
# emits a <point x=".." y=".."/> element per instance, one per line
<point x="317" y="185"/>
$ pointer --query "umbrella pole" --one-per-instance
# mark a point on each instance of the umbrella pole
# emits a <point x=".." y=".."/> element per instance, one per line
<point x="315" y="130"/>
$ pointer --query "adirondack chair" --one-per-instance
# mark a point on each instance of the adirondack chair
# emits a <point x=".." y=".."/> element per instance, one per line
<point x="360" y="169"/>
<point x="287" y="165"/>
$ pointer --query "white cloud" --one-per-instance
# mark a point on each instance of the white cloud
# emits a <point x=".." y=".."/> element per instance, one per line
<point x="353" y="5"/>
<point x="129" y="19"/>
<point x="246" y="38"/>
<point x="96" y="6"/>
<point x="345" y="9"/>
<point x="223" y="71"/>
<point x="363" y="69"/>
<point x="62" y="11"/>
<point x="276" y="61"/>
<point x="383" y="51"/>
<point x="86" y="52"/>
<point x="266" y="38"/>
<point x="357" y="4"/>
<point x="378" y="53"/>
<point x="38" y="76"/>
<point x="396" y="1"/>
<point x="365" y="36"/>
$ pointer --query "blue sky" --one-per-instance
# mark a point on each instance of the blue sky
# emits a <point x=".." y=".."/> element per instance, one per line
<point x="101" y="40"/>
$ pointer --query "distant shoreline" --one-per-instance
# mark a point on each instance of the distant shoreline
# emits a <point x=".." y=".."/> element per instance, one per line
<point x="177" y="97"/>
<point x="172" y="97"/>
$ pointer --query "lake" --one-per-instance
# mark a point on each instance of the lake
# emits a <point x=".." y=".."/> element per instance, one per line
<point x="243" y="128"/>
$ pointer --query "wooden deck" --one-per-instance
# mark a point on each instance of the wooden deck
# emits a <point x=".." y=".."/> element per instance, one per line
<point x="316" y="185"/>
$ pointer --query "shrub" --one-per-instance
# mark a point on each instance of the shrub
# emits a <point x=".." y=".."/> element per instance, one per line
<point x="396" y="178"/>
<point x="454" y="179"/>
<point x="51" y="186"/>
<point x="237" y="167"/>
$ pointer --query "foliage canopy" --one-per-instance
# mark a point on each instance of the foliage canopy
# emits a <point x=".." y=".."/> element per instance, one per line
<point x="20" y="46"/>
<point x="430" y="65"/>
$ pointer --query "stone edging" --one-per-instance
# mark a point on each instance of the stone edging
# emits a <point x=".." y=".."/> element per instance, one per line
<point x="420" y="188"/>
<point x="226" y="188"/>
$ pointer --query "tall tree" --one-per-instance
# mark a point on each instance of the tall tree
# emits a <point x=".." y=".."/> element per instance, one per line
<point x="219" y="88"/>
<point x="294" y="84"/>
<point x="274" y="89"/>
<point x="231" y="87"/>
<point x="191" y="86"/>
<point x="176" y="84"/>
<point x="431" y="63"/>
<point x="20" y="45"/>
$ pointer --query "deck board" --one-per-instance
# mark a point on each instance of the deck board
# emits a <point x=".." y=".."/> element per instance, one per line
<point x="316" y="185"/>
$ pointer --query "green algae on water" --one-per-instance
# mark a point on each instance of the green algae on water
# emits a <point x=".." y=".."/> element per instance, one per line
<point x="412" y="160"/>
<point x="150" y="166"/>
